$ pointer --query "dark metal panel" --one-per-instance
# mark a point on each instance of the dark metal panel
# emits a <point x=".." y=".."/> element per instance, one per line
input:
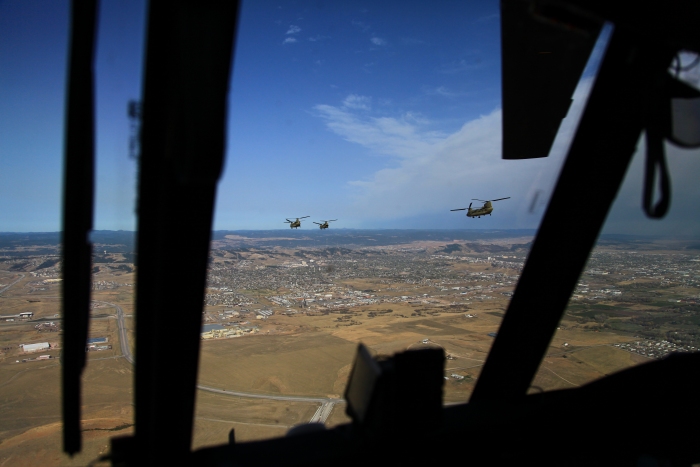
<point x="588" y="184"/>
<point x="543" y="53"/>
<point x="541" y="429"/>
<point x="77" y="214"/>
<point x="673" y="21"/>
<point x="187" y="75"/>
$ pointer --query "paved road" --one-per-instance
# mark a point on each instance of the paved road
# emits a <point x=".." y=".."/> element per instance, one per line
<point x="320" y="416"/>
<point x="321" y="400"/>
<point x="323" y="412"/>
<point x="10" y="285"/>
<point x="123" y="339"/>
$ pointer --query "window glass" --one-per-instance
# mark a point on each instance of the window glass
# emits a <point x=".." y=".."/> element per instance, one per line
<point x="34" y="41"/>
<point x="637" y="300"/>
<point x="380" y="119"/>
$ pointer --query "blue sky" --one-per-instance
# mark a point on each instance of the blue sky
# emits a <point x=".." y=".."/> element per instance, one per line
<point x="383" y="114"/>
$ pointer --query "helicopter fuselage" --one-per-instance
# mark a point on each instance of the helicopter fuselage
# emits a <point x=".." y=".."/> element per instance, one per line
<point x="482" y="211"/>
<point x="479" y="212"/>
<point x="296" y="223"/>
<point x="325" y="223"/>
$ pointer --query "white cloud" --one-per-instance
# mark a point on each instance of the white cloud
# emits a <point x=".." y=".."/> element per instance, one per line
<point x="434" y="171"/>
<point x="416" y="118"/>
<point x="289" y="40"/>
<point x="353" y="101"/>
<point x="431" y="170"/>
<point x="293" y="29"/>
<point x="378" y="41"/>
<point x="461" y="66"/>
<point x="444" y="92"/>
<point x="399" y="137"/>
<point x="487" y="18"/>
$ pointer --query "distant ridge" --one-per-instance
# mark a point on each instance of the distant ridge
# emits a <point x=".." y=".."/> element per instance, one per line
<point x="125" y="241"/>
<point x="358" y="237"/>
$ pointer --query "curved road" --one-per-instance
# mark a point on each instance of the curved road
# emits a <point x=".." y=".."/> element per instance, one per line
<point x="320" y="416"/>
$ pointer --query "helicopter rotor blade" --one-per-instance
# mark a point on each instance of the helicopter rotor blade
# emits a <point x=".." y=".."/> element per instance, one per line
<point x="460" y="209"/>
<point x="499" y="199"/>
<point x="317" y="223"/>
<point x="304" y="217"/>
<point x="482" y="200"/>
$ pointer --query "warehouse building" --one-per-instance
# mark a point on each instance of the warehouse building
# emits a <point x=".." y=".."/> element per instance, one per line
<point x="97" y="340"/>
<point x="35" y="347"/>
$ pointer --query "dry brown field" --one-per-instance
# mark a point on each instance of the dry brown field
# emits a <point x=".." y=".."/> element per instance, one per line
<point x="31" y="411"/>
<point x="297" y="355"/>
<point x="217" y="414"/>
<point x="30" y="404"/>
<point x="318" y="362"/>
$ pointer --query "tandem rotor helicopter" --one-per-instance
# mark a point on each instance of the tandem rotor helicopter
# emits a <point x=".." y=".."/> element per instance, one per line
<point x="295" y="224"/>
<point x="482" y="211"/>
<point x="325" y="224"/>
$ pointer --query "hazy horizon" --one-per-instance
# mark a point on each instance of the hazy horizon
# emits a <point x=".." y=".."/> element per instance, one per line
<point x="532" y="232"/>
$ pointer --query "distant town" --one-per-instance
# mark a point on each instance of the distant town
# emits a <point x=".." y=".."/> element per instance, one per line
<point x="283" y="313"/>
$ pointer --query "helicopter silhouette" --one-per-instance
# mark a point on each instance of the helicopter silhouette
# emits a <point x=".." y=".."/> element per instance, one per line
<point x="295" y="224"/>
<point x="325" y="224"/>
<point x="482" y="211"/>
